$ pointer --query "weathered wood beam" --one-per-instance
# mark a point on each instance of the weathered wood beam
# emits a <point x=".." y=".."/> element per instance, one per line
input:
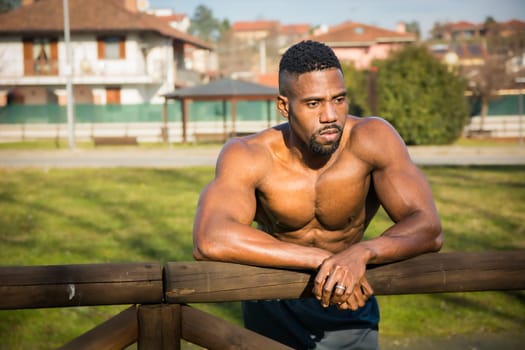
<point x="213" y="333"/>
<point x="118" y="332"/>
<point x="80" y="285"/>
<point x="159" y="327"/>
<point x="430" y="273"/>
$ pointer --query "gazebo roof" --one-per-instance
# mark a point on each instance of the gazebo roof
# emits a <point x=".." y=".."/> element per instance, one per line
<point x="224" y="89"/>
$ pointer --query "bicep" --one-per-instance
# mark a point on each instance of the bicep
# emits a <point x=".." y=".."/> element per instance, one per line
<point x="402" y="190"/>
<point x="225" y="200"/>
<point x="399" y="184"/>
<point x="230" y="197"/>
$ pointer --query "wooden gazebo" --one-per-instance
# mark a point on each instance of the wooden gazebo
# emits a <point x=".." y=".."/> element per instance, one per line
<point x="225" y="90"/>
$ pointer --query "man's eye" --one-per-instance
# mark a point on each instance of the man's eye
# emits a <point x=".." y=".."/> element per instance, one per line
<point x="312" y="104"/>
<point x="340" y="99"/>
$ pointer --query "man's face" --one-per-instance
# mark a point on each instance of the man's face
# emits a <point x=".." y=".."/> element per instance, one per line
<point x="316" y="107"/>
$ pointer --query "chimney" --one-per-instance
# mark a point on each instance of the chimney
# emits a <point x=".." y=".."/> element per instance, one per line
<point x="401" y="27"/>
<point x="131" y="5"/>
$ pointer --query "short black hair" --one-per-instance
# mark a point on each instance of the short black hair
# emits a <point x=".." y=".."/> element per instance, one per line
<point x="307" y="56"/>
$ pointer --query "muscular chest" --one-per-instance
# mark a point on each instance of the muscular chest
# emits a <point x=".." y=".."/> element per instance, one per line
<point x="333" y="199"/>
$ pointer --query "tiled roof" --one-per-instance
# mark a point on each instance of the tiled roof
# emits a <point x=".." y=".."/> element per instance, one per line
<point x="295" y="29"/>
<point x="224" y="88"/>
<point x="174" y="17"/>
<point x="99" y="16"/>
<point x="462" y="25"/>
<point x="254" y="25"/>
<point x="512" y="24"/>
<point x="352" y="33"/>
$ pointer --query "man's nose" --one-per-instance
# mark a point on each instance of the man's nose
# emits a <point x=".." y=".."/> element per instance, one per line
<point x="328" y="114"/>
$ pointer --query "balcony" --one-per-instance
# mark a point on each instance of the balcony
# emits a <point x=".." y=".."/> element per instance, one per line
<point x="94" y="71"/>
<point x="48" y="67"/>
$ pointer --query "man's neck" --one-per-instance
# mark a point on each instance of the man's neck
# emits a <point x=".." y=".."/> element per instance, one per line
<point x="301" y="151"/>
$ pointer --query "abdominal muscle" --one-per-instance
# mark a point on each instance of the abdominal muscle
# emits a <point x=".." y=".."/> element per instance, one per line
<point x="313" y="234"/>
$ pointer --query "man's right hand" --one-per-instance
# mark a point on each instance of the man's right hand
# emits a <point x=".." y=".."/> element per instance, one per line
<point x="355" y="299"/>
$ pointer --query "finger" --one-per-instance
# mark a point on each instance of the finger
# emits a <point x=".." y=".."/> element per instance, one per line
<point x="366" y="287"/>
<point x="340" y="293"/>
<point x="361" y="295"/>
<point x="360" y="298"/>
<point x="319" y="282"/>
<point x="330" y="288"/>
<point x="343" y="306"/>
<point x="352" y="302"/>
<point x="327" y="291"/>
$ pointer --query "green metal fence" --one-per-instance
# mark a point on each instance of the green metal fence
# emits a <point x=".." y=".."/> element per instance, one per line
<point x="198" y="111"/>
<point x="502" y="105"/>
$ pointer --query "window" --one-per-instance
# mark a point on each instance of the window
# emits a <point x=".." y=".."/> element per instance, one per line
<point x="111" y="47"/>
<point x="113" y="95"/>
<point x="40" y="56"/>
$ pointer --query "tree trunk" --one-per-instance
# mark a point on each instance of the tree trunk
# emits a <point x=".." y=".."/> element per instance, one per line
<point x="483" y="113"/>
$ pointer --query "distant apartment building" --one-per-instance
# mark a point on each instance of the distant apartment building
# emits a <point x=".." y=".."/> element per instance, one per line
<point x="454" y="31"/>
<point x="489" y="54"/>
<point x="467" y="44"/>
<point x="359" y="44"/>
<point x="468" y="31"/>
<point x="254" y="49"/>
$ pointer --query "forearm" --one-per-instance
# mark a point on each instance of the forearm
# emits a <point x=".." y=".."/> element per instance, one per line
<point x="246" y="245"/>
<point x="414" y="235"/>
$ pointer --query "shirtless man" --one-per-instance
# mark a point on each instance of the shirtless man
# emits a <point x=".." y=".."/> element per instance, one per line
<point x="312" y="185"/>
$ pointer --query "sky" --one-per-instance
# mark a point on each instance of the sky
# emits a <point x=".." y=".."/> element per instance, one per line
<point x="382" y="13"/>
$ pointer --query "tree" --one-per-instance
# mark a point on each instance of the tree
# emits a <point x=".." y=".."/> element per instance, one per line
<point x="413" y="27"/>
<point x="420" y="97"/>
<point x="356" y="83"/>
<point x="205" y="26"/>
<point x="437" y="31"/>
<point x="485" y="81"/>
<point x="8" y="5"/>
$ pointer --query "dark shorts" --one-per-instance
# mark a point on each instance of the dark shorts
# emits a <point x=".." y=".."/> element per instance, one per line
<point x="305" y="324"/>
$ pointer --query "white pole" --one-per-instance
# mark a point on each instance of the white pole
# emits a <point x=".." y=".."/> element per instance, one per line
<point x="520" y="106"/>
<point x="262" y="56"/>
<point x="69" y="80"/>
<point x="520" y="80"/>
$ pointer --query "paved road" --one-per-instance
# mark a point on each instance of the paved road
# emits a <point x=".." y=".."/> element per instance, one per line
<point x="207" y="156"/>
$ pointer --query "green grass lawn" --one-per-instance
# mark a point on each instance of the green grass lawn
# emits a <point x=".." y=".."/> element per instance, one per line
<point x="69" y="216"/>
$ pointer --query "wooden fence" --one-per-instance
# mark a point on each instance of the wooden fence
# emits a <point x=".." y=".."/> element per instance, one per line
<point x="160" y="318"/>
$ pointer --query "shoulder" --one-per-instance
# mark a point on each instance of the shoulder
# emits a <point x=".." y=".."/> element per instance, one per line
<point x="369" y="126"/>
<point x="246" y="157"/>
<point x="376" y="141"/>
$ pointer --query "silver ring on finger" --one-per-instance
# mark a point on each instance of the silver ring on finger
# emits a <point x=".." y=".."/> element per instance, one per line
<point x="343" y="288"/>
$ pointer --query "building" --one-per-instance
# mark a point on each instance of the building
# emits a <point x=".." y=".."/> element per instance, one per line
<point x="359" y="44"/>
<point x="252" y="52"/>
<point x="457" y="31"/>
<point x="119" y="54"/>
<point x="197" y="60"/>
<point x="490" y="56"/>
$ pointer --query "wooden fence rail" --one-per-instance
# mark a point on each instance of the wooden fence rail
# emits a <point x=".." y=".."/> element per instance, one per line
<point x="429" y="273"/>
<point x="167" y="288"/>
<point x="23" y="287"/>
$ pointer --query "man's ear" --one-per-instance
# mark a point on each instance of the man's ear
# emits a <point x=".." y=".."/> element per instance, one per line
<point x="282" y="105"/>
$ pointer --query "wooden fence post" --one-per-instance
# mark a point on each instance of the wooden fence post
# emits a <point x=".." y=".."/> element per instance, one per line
<point x="159" y="327"/>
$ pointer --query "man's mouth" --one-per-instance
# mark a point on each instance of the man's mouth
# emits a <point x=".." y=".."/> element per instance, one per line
<point x="330" y="133"/>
